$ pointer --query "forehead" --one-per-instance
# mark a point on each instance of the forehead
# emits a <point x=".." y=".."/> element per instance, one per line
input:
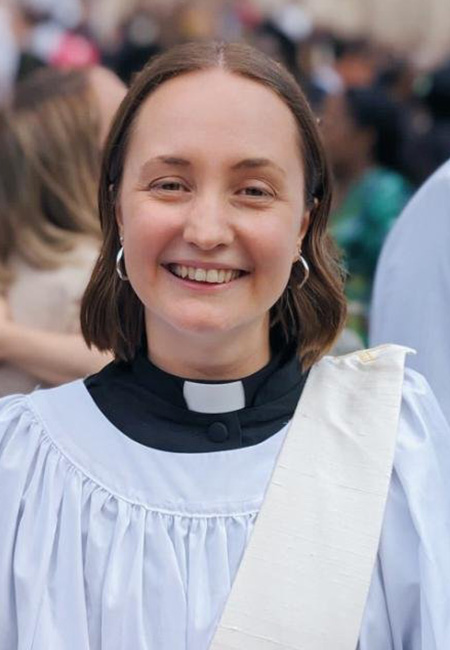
<point x="217" y="111"/>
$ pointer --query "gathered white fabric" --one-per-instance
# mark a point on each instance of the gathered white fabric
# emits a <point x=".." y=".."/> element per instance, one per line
<point x="109" y="545"/>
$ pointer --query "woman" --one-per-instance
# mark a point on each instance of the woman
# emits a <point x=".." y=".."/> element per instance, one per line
<point x="218" y="290"/>
<point x="363" y="130"/>
<point x="49" y="228"/>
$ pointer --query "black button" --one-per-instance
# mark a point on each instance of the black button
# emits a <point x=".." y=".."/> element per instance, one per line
<point x="218" y="432"/>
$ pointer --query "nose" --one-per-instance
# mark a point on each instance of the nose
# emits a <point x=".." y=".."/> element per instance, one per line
<point x="208" y="224"/>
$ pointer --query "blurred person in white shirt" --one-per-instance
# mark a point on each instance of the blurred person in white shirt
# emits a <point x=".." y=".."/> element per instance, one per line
<point x="411" y="299"/>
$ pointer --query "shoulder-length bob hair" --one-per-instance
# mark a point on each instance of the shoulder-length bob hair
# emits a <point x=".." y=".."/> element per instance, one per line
<point x="112" y="316"/>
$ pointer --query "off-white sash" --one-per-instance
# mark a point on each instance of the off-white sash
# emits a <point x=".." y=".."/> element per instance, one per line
<point x="304" y="578"/>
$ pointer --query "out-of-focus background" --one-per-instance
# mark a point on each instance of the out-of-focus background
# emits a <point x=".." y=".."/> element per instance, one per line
<point x="377" y="73"/>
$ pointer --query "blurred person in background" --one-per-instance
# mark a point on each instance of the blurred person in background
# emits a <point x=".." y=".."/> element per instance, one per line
<point x="8" y="54"/>
<point x="139" y="41"/>
<point x="16" y="60"/>
<point x="286" y="42"/>
<point x="39" y="33"/>
<point x="46" y="34"/>
<point x="363" y="136"/>
<point x="411" y="297"/>
<point x="56" y="37"/>
<point x="397" y="76"/>
<point x="355" y="61"/>
<point x="430" y="148"/>
<point x="49" y="229"/>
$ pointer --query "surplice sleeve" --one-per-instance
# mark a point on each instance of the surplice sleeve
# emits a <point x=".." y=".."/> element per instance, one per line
<point x="408" y="606"/>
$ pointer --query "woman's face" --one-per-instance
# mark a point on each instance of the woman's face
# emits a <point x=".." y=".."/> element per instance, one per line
<point x="211" y="204"/>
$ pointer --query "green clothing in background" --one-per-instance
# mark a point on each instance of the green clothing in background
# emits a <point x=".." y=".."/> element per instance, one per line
<point x="359" y="227"/>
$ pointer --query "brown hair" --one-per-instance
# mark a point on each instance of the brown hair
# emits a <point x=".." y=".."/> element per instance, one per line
<point x="50" y="143"/>
<point x="112" y="316"/>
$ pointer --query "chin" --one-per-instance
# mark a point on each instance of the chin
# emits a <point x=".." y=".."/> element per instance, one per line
<point x="206" y="326"/>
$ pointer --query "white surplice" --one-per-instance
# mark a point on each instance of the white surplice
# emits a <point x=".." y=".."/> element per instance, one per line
<point x="109" y="545"/>
<point x="411" y="298"/>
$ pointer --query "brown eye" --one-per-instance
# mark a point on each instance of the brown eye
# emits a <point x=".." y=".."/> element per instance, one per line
<point x="253" y="191"/>
<point x="169" y="186"/>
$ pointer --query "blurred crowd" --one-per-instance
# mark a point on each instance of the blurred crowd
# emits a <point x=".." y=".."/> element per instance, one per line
<point x="385" y="122"/>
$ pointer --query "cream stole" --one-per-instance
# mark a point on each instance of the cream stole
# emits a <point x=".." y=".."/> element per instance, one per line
<point x="305" y="575"/>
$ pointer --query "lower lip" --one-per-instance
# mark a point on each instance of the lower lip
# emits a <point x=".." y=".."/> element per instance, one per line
<point x="203" y="287"/>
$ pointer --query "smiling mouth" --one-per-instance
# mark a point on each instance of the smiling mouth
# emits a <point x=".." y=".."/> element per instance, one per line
<point x="208" y="276"/>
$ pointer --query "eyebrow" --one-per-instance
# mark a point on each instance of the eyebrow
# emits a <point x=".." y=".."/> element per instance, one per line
<point x="247" y="163"/>
<point x="172" y="161"/>
<point x="257" y="163"/>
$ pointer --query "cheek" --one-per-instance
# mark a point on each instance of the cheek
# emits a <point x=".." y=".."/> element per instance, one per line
<point x="276" y="244"/>
<point x="148" y="231"/>
<point x="274" y="261"/>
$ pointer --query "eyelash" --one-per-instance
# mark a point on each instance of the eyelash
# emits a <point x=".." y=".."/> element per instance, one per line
<point x="173" y="187"/>
<point x="262" y="193"/>
<point x="162" y="185"/>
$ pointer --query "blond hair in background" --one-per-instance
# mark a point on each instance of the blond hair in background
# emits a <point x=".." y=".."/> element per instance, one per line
<point x="49" y="137"/>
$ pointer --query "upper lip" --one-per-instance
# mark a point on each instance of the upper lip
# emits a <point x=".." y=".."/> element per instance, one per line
<point x="206" y="265"/>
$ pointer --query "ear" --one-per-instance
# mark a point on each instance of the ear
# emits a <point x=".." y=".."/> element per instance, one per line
<point x="119" y="218"/>
<point x="304" y="225"/>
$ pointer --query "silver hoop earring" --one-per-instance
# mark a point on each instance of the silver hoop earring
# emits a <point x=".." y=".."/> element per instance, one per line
<point x="119" y="258"/>
<point x="305" y="265"/>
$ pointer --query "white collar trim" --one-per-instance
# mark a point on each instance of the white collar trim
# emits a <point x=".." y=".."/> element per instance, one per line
<point x="214" y="398"/>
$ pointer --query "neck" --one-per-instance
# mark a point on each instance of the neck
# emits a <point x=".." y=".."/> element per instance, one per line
<point x="225" y="356"/>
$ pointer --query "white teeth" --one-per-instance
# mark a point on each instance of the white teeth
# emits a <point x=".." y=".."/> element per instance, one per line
<point x="200" y="275"/>
<point x="213" y="276"/>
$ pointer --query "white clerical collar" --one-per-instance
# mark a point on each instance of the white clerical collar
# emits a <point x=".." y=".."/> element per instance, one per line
<point x="214" y="398"/>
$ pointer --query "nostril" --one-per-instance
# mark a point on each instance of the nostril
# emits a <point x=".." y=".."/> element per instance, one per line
<point x="207" y="234"/>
